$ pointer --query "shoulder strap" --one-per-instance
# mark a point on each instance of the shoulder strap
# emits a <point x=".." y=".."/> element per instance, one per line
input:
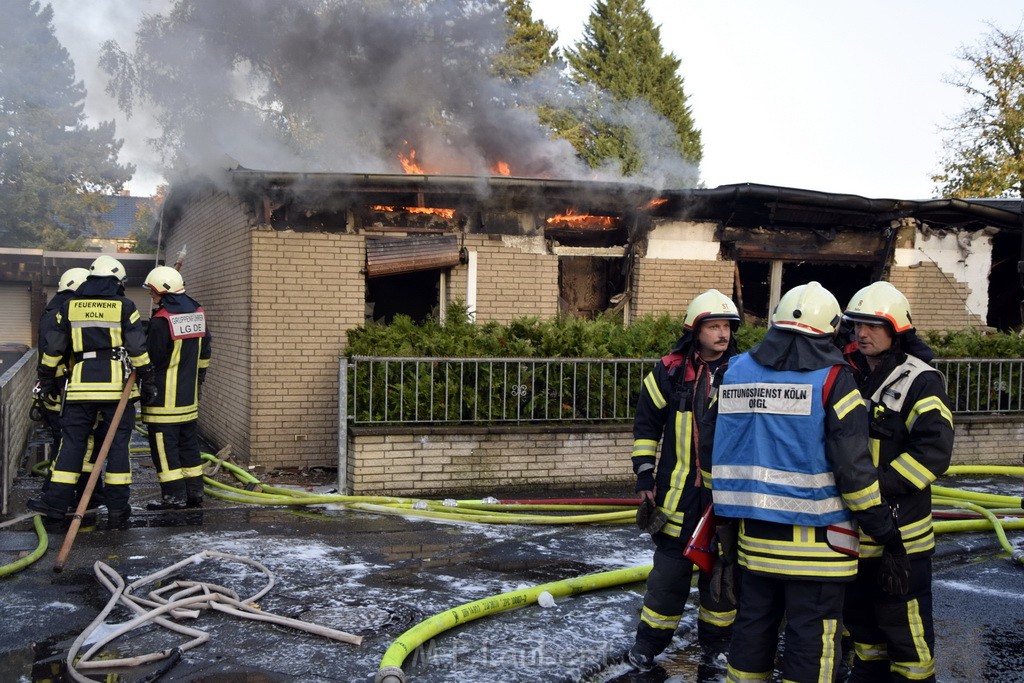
<point x="830" y="379"/>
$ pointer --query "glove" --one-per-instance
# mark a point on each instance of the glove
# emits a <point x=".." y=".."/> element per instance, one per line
<point x="894" y="574"/>
<point x="47" y="389"/>
<point x="645" y="481"/>
<point x="723" y="574"/>
<point x="147" y="385"/>
<point x="649" y="518"/>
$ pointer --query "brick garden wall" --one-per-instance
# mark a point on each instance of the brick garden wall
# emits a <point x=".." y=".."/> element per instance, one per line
<point x="432" y="461"/>
<point x="668" y="285"/>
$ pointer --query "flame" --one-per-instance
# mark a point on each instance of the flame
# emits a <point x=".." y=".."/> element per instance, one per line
<point x="571" y="219"/>
<point x="409" y="164"/>
<point x="501" y="168"/>
<point x="656" y="202"/>
<point x="443" y="213"/>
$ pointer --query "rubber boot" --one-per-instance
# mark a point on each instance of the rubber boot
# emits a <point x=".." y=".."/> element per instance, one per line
<point x="167" y="503"/>
<point x="194" y="492"/>
<point x="54" y="502"/>
<point x="118" y="511"/>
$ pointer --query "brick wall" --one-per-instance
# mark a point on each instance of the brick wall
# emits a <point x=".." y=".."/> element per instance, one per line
<point x="15" y="424"/>
<point x="937" y="300"/>
<point x="218" y="274"/>
<point x="510" y="282"/>
<point x="988" y="440"/>
<point x="668" y="285"/>
<point x="425" y="461"/>
<point x="431" y="461"/>
<point x="308" y="290"/>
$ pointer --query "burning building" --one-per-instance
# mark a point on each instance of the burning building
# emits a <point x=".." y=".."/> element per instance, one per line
<point x="286" y="263"/>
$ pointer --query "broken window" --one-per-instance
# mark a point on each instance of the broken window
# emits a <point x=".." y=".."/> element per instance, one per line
<point x="586" y="284"/>
<point x="1004" y="286"/>
<point x="416" y="295"/>
<point x="761" y="284"/>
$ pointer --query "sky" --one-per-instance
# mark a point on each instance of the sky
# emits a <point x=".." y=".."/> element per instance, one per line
<point x="834" y="97"/>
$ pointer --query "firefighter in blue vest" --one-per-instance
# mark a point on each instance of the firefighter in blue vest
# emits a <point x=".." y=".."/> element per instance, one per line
<point x="787" y="436"/>
<point x="100" y="329"/>
<point x="179" y="346"/>
<point x="674" y="397"/>
<point x="912" y="443"/>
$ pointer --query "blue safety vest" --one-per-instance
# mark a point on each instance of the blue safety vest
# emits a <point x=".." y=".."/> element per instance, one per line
<point x="769" y="459"/>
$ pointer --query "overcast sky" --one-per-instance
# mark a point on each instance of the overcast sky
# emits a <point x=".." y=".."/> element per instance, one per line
<point x="838" y="97"/>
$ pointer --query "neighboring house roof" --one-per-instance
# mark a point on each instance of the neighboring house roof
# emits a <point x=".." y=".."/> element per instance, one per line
<point x="122" y="215"/>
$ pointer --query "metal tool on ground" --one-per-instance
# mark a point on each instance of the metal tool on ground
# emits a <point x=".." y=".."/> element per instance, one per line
<point x="101" y="457"/>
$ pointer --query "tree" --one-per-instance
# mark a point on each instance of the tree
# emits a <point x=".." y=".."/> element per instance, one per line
<point x="621" y="54"/>
<point x="985" y="148"/>
<point x="55" y="171"/>
<point x="530" y="45"/>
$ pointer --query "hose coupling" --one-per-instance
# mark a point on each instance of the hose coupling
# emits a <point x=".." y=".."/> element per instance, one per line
<point x="389" y="674"/>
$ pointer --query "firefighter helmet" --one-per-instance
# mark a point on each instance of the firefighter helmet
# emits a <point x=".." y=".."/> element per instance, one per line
<point x="880" y="303"/>
<point x="71" y="278"/>
<point x="808" y="309"/>
<point x="107" y="266"/>
<point x="711" y="305"/>
<point x="164" y="279"/>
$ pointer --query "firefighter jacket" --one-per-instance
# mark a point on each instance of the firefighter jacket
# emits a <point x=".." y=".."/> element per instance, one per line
<point x="93" y="327"/>
<point x="672" y="402"/>
<point x="179" y="346"/>
<point x="47" y="323"/>
<point x="911" y="441"/>
<point x="805" y="536"/>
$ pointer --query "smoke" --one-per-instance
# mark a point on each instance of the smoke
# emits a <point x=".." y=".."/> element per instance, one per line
<point x="345" y="86"/>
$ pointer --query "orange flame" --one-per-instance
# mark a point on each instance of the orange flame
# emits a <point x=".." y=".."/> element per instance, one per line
<point x="501" y="168"/>
<point x="571" y="219"/>
<point x="409" y="164"/>
<point x="443" y="213"/>
<point x="656" y="202"/>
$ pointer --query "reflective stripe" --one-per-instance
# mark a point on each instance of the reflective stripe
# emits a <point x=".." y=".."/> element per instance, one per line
<point x="871" y="652"/>
<point x="867" y="497"/>
<point x="848" y="403"/>
<point x="117" y="478"/>
<point x="655" y="620"/>
<point x="196" y="471"/>
<point x="723" y="619"/>
<point x="774" y="476"/>
<point x="801" y="549"/>
<point x="924" y="667"/>
<point x="645" y="447"/>
<point x="50" y="361"/>
<point x="82" y="324"/>
<point x="733" y="675"/>
<point x="62" y="477"/>
<point x="681" y="469"/>
<point x="790" y="568"/>
<point x="926" y="405"/>
<point x="652" y="390"/>
<point x="764" y="501"/>
<point x="913" y="471"/>
<point x="827" y="661"/>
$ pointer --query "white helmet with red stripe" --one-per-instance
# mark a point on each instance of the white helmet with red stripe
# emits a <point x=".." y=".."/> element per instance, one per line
<point x="710" y="305"/>
<point x="880" y="303"/>
<point x="71" y="278"/>
<point x="808" y="309"/>
<point x="164" y="279"/>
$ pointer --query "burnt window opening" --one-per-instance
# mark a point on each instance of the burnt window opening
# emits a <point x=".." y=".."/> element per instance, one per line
<point x="416" y="295"/>
<point x="1004" y="286"/>
<point x="586" y="284"/>
<point x="842" y="279"/>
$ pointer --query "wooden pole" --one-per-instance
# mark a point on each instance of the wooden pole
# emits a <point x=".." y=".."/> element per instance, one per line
<point x="97" y="468"/>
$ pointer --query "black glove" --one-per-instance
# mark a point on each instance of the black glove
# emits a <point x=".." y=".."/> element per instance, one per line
<point x="894" y="574"/>
<point x="723" y="575"/>
<point x="147" y="385"/>
<point x="48" y="389"/>
<point x="645" y="481"/>
<point x="649" y="518"/>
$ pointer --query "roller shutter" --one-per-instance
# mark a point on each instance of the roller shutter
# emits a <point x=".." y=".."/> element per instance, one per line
<point x="395" y="255"/>
<point x="15" y="313"/>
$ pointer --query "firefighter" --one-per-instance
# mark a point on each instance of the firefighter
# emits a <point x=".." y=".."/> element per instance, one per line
<point x="179" y="347"/>
<point x="911" y="441"/>
<point x="99" y="328"/>
<point x="786" y="436"/>
<point x="675" y="395"/>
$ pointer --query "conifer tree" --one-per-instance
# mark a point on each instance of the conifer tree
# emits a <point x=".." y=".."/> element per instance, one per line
<point x="621" y="54"/>
<point x="55" y="171"/>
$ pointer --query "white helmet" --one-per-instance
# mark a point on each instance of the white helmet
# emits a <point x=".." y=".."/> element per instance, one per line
<point x="164" y="279"/>
<point x="71" y="278"/>
<point x="879" y="303"/>
<point x="711" y="305"/>
<point x="107" y="266"/>
<point x="808" y="309"/>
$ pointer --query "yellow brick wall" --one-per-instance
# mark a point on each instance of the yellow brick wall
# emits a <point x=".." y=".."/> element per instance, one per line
<point x="218" y="274"/>
<point x="937" y="300"/>
<point x="425" y="462"/>
<point x="668" y="285"/>
<point x="308" y="290"/>
<point x="988" y="440"/>
<point x="510" y="284"/>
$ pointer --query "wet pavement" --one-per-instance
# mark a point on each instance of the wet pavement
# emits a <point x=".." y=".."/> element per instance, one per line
<point x="376" y="576"/>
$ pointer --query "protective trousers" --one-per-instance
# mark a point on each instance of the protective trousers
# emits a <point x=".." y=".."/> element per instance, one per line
<point x="78" y="424"/>
<point x="813" y="611"/>
<point x="175" y="451"/>
<point x="893" y="637"/>
<point x="668" y="587"/>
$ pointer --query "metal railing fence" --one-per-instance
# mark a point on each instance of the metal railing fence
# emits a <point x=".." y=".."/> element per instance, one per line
<point x="481" y="391"/>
